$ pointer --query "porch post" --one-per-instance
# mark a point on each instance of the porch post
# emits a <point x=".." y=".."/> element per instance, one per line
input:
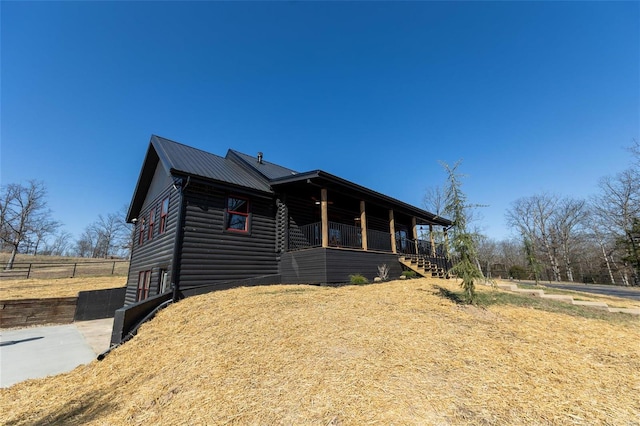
<point x="446" y="242"/>
<point x="433" y="243"/>
<point x="414" y="231"/>
<point x="363" y="225"/>
<point x="392" y="229"/>
<point x="324" y="217"/>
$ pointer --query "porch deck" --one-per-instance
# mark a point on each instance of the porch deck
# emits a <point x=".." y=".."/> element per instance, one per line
<point x="346" y="253"/>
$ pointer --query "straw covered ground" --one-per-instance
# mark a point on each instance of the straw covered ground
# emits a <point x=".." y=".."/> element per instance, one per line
<point x="392" y="353"/>
<point x="34" y="288"/>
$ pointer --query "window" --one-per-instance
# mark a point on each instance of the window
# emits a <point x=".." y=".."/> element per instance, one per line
<point x="164" y="210"/>
<point x="152" y="221"/>
<point x="237" y="214"/>
<point x="164" y="285"/>
<point x="142" y="228"/>
<point x="144" y="282"/>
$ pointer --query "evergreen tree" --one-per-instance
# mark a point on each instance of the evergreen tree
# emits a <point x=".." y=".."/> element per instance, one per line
<point x="532" y="261"/>
<point x="463" y="242"/>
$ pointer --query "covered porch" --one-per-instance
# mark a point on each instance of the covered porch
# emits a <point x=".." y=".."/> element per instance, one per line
<point x="321" y="213"/>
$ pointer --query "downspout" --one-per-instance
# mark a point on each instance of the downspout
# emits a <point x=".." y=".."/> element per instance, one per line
<point x="180" y="185"/>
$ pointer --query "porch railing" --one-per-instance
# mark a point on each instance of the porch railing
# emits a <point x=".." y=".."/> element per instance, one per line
<point x="409" y="246"/>
<point x="340" y="235"/>
<point x="305" y="236"/>
<point x="424" y="249"/>
<point x="378" y="240"/>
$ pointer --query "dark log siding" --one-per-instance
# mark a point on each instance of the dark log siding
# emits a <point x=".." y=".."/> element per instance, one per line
<point x="281" y="226"/>
<point x="302" y="211"/>
<point x="155" y="254"/>
<point x="210" y="253"/>
<point x="329" y="265"/>
<point x="342" y="263"/>
<point x="304" y="266"/>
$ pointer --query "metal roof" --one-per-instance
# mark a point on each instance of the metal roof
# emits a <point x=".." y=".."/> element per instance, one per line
<point x="192" y="161"/>
<point x="244" y="170"/>
<point x="265" y="168"/>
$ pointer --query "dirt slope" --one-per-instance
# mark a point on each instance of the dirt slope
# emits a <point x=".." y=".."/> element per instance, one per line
<point x="392" y="353"/>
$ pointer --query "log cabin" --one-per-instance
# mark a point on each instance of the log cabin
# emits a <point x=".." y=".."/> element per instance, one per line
<point x="204" y="222"/>
<point x="202" y="219"/>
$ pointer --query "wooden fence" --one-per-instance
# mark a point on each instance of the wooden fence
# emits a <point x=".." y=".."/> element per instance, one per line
<point x="66" y="270"/>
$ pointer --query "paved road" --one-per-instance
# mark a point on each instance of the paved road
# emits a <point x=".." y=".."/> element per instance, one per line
<point x="35" y="352"/>
<point x="609" y="290"/>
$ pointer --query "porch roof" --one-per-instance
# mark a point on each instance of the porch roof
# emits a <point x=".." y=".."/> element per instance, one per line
<point x="335" y="183"/>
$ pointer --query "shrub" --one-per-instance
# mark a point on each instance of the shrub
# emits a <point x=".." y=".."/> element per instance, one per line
<point x="518" y="272"/>
<point x="358" y="279"/>
<point x="409" y="274"/>
<point x="383" y="272"/>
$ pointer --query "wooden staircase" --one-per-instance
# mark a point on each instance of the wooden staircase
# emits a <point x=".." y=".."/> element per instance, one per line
<point x="423" y="266"/>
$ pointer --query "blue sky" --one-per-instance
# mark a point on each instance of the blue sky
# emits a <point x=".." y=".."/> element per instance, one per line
<point x="531" y="96"/>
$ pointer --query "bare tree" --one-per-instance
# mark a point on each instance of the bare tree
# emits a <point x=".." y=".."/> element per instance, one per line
<point x="25" y="209"/>
<point x="125" y="238"/>
<point x="510" y="253"/>
<point x="434" y="200"/>
<point x="487" y="253"/>
<point x="605" y="248"/>
<point x="42" y="230"/>
<point x="634" y="149"/>
<point x="86" y="245"/>
<point x="617" y="207"/>
<point x="110" y="231"/>
<point x="532" y="217"/>
<point x="108" y="236"/>
<point x="568" y="220"/>
<point x="60" y="245"/>
<point x="8" y="194"/>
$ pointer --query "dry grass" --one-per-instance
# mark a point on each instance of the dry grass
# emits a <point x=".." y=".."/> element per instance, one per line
<point x="58" y="287"/>
<point x="392" y="353"/>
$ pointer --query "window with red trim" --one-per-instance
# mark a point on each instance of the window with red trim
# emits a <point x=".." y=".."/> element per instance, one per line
<point x="144" y="283"/>
<point x="152" y="221"/>
<point x="237" y="214"/>
<point x="164" y="211"/>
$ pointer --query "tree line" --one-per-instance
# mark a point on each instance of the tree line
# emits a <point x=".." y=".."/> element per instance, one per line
<point x="563" y="238"/>
<point x="27" y="226"/>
